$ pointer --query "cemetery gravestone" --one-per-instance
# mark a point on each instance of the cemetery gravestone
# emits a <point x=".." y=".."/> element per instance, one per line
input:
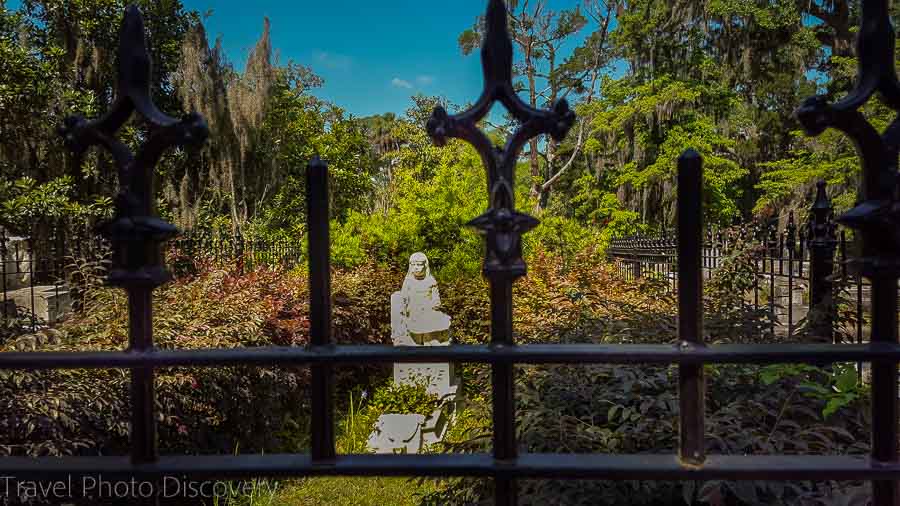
<point x="47" y="303"/>
<point x="416" y="321"/>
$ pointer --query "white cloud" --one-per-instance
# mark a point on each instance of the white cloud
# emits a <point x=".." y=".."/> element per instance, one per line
<point x="400" y="83"/>
<point x="333" y="60"/>
<point x="424" y="80"/>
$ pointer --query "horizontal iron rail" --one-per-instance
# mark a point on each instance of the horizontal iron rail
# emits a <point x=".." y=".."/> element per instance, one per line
<point x="523" y="354"/>
<point x="533" y="465"/>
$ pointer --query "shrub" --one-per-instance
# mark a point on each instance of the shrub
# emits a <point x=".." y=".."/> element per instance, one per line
<point x="202" y="410"/>
<point x="626" y="409"/>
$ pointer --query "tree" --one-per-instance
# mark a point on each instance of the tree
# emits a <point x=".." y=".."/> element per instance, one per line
<point x="548" y="75"/>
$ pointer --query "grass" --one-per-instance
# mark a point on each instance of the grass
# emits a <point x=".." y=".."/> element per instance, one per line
<point x="343" y="491"/>
<point x="354" y="429"/>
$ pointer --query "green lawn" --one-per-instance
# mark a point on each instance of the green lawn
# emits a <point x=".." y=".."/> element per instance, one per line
<point x="351" y="492"/>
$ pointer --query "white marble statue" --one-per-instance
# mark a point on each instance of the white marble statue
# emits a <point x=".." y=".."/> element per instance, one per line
<point x="415" y="319"/>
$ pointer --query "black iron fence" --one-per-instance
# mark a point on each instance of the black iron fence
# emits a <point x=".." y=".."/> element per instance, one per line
<point x="43" y="277"/>
<point x="244" y="253"/>
<point x="136" y="236"/>
<point x="801" y="272"/>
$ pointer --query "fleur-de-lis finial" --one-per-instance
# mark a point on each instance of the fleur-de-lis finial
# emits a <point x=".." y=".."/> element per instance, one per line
<point x="502" y="224"/>
<point x="134" y="231"/>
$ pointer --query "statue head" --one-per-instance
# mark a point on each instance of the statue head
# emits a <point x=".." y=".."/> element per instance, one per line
<point x="418" y="266"/>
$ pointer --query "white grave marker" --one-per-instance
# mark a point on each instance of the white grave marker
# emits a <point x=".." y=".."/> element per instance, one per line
<point x="416" y="321"/>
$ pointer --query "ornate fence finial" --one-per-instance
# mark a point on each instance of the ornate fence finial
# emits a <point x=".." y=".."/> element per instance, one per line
<point x="134" y="231"/>
<point x="502" y="224"/>
<point x="822" y="228"/>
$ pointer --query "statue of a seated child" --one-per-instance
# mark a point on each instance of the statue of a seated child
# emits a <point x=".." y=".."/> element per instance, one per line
<point x="415" y="319"/>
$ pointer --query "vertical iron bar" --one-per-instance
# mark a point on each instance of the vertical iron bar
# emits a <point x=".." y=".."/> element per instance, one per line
<point x="143" y="416"/>
<point x="502" y="386"/>
<point x="790" y="291"/>
<point x="884" y="385"/>
<point x="30" y="245"/>
<point x="802" y="252"/>
<point x="3" y="254"/>
<point x="320" y="308"/>
<point x="691" y="385"/>
<point x="771" y="254"/>
<point x="823" y="243"/>
<point x="860" y="323"/>
<point x="791" y="240"/>
<point x="756" y="282"/>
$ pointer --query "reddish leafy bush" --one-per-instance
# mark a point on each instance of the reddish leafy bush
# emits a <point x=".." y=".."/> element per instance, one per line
<point x="202" y="410"/>
<point x="628" y="409"/>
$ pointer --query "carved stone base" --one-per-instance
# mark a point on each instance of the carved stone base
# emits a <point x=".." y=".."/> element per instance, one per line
<point x="395" y="433"/>
<point x="410" y="433"/>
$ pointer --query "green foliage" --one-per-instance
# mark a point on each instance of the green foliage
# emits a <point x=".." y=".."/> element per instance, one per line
<point x="405" y="398"/>
<point x="838" y="386"/>
<point x="24" y="201"/>
<point x="431" y="204"/>
<point x="831" y="157"/>
<point x="661" y="123"/>
<point x="296" y="128"/>
<point x="561" y="236"/>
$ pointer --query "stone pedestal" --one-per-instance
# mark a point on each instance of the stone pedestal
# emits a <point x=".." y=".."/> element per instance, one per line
<point x="410" y="433"/>
<point x="397" y="433"/>
<point x="51" y="302"/>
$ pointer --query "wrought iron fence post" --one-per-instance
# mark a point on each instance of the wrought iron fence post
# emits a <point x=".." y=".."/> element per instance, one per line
<point x="791" y="243"/>
<point x="501" y="225"/>
<point x="822" y="247"/>
<point x="3" y="253"/>
<point x="135" y="232"/>
<point x="322" y="386"/>
<point x="692" y="387"/>
<point x="877" y="217"/>
<point x="29" y="246"/>
<point x="239" y="251"/>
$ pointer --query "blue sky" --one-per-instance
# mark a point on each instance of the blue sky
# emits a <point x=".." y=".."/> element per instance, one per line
<point x="373" y="55"/>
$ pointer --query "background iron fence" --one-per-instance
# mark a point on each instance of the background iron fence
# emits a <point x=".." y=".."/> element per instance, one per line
<point x="244" y="253"/>
<point x="801" y="273"/>
<point x="43" y="277"/>
<point x="40" y="276"/>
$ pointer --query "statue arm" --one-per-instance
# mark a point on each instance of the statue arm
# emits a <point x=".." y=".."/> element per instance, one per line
<point x="435" y="297"/>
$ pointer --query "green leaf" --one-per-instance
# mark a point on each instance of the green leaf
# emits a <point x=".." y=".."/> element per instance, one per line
<point x="847" y="380"/>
